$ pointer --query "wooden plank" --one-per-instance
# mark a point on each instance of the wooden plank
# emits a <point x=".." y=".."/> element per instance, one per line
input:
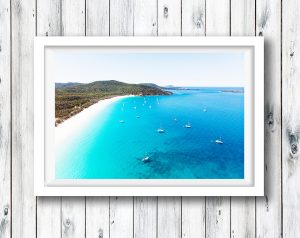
<point x="97" y="217"/>
<point x="73" y="217"/>
<point x="290" y="117"/>
<point x="218" y="208"/>
<point x="97" y="17"/>
<point x="121" y="217"/>
<point x="268" y="208"/>
<point x="193" y="17"/>
<point x="121" y="17"/>
<point x="145" y="208"/>
<point x="5" y="120"/>
<point x="73" y="209"/>
<point x="121" y="208"/>
<point x="193" y="217"/>
<point x="97" y="208"/>
<point x="242" y="208"/>
<point x="218" y="18"/>
<point x="217" y="217"/>
<point x="169" y="208"/>
<point x="145" y="18"/>
<point x="48" y="208"/>
<point x="145" y="217"/>
<point x="193" y="208"/>
<point x="169" y="217"/>
<point x="169" y="17"/>
<point x="23" y="200"/>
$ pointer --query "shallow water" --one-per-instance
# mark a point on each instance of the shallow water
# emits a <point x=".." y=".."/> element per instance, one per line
<point x="108" y="149"/>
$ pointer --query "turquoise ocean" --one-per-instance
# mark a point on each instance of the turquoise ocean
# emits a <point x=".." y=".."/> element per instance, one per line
<point x="114" y="143"/>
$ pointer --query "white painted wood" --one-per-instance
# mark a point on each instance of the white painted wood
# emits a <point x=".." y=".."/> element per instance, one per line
<point x="193" y="17"/>
<point x="145" y="17"/>
<point x="218" y="18"/>
<point x="145" y="208"/>
<point x="121" y="17"/>
<point x="73" y="17"/>
<point x="169" y="17"/>
<point x="97" y="17"/>
<point x="242" y="208"/>
<point x="217" y="217"/>
<point x="97" y="208"/>
<point x="193" y="217"/>
<point x="97" y="217"/>
<point x="193" y="208"/>
<point x="268" y="208"/>
<point x="290" y="117"/>
<point x="121" y="217"/>
<point x="73" y="209"/>
<point x="73" y="217"/>
<point x="218" y="208"/>
<point x="48" y="208"/>
<point x="169" y="217"/>
<point x="23" y="201"/>
<point x="145" y="217"/>
<point x="48" y="217"/>
<point x="5" y="120"/>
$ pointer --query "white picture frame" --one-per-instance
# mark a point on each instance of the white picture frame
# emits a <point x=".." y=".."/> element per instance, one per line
<point x="45" y="183"/>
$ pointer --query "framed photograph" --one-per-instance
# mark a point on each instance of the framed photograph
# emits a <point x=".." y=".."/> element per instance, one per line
<point x="149" y="116"/>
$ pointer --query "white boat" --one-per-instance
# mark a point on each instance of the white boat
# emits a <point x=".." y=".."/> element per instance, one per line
<point x="146" y="159"/>
<point x="219" y="141"/>
<point x="160" y="130"/>
<point x="175" y="119"/>
<point x="137" y="116"/>
<point x="205" y="110"/>
<point x="122" y="121"/>
<point x="188" y="125"/>
<point x="150" y="107"/>
<point x="134" y="108"/>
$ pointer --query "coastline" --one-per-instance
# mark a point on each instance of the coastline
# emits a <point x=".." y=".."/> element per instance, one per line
<point x="67" y="127"/>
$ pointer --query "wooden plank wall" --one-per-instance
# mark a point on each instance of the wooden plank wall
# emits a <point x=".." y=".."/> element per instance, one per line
<point x="274" y="215"/>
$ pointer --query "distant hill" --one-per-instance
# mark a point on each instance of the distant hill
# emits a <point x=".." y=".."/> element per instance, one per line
<point x="72" y="98"/>
<point x="63" y="85"/>
<point x="151" y="85"/>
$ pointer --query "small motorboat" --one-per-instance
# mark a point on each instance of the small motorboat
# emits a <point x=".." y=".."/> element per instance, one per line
<point x="137" y="116"/>
<point x="134" y="107"/>
<point x="204" y="110"/>
<point x="160" y="130"/>
<point x="146" y="159"/>
<point x="122" y="121"/>
<point x="188" y="125"/>
<point x="175" y="119"/>
<point x="219" y="141"/>
<point x="150" y="107"/>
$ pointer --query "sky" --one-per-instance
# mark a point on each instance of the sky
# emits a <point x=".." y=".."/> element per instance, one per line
<point x="209" y="69"/>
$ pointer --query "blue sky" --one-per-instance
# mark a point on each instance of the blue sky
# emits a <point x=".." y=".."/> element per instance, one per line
<point x="178" y="69"/>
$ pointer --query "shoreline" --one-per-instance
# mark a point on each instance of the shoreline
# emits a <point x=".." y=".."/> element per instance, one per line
<point x="71" y="125"/>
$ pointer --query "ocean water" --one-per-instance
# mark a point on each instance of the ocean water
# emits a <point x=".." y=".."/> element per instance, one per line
<point x="108" y="149"/>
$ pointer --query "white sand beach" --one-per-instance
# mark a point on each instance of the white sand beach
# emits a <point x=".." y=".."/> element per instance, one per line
<point x="67" y="128"/>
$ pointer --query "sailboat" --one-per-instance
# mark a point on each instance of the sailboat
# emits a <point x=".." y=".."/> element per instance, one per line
<point x="219" y="141"/>
<point x="160" y="130"/>
<point x="188" y="125"/>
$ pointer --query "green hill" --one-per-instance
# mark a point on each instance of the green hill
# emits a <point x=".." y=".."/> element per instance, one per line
<point x="73" y="98"/>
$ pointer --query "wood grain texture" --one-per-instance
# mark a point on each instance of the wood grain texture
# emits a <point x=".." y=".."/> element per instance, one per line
<point x="268" y="208"/>
<point x="169" y="217"/>
<point x="97" y="217"/>
<point x="23" y="200"/>
<point x="121" y="217"/>
<point x="290" y="117"/>
<point x="193" y="17"/>
<point x="73" y="209"/>
<point x="97" y="17"/>
<point x="169" y="17"/>
<point x="242" y="208"/>
<point x="48" y="23"/>
<point x="73" y="217"/>
<point x="218" y="208"/>
<point x="193" y="217"/>
<point x="5" y="120"/>
<point x="145" y="217"/>
<point x="121" y="17"/>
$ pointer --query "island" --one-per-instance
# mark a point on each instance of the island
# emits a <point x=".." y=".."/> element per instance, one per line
<point x="71" y="98"/>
